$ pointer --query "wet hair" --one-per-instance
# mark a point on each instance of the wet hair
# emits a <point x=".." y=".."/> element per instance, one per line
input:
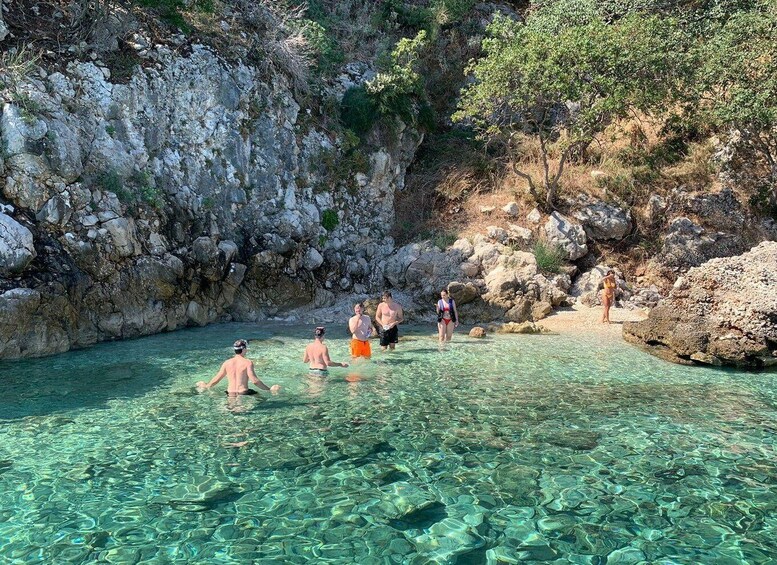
<point x="319" y="331"/>
<point x="386" y="294"/>
<point x="240" y="345"/>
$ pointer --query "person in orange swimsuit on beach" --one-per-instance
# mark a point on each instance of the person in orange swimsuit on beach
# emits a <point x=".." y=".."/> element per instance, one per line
<point x="608" y="294"/>
<point x="447" y="316"/>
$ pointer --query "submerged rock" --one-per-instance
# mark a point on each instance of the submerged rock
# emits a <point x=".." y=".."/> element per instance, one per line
<point x="723" y="312"/>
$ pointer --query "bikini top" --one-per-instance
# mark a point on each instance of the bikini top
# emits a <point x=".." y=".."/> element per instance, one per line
<point x="609" y="283"/>
<point x="447" y="308"/>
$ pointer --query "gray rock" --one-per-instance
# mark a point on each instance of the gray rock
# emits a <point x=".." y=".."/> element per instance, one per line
<point x="569" y="236"/>
<point x="122" y="232"/>
<point x="16" y="246"/>
<point x="511" y="209"/>
<point x="497" y="234"/>
<point x="463" y="293"/>
<point x="56" y="211"/>
<point x="604" y="221"/>
<point x="534" y="217"/>
<point x="313" y="259"/>
<point x="722" y="311"/>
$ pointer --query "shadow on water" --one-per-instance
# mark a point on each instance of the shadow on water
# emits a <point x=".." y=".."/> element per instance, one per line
<point x="37" y="390"/>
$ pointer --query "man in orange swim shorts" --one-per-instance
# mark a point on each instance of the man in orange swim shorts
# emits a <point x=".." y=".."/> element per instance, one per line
<point x="360" y="327"/>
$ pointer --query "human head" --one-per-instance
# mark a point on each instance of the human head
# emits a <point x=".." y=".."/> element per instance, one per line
<point x="444" y="293"/>
<point x="357" y="308"/>
<point x="386" y="296"/>
<point x="610" y="272"/>
<point x="240" y="346"/>
<point x="319" y="332"/>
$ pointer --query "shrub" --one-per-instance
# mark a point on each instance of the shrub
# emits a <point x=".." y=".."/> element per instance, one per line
<point x="443" y="239"/>
<point x="358" y="110"/>
<point x="549" y="257"/>
<point x="329" y="219"/>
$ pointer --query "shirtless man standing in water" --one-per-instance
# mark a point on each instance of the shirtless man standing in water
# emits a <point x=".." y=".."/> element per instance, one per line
<point x="238" y="370"/>
<point x="389" y="315"/>
<point x="317" y="354"/>
<point x="360" y="327"/>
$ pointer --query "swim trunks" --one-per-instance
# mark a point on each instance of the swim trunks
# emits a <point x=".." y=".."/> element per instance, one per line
<point x="318" y="372"/>
<point x="360" y="348"/>
<point x="247" y="392"/>
<point x="389" y="336"/>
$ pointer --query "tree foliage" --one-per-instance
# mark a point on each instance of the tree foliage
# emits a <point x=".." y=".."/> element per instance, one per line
<point x="565" y="86"/>
<point x="737" y="80"/>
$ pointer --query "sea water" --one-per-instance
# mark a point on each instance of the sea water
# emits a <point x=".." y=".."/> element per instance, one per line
<point x="530" y="449"/>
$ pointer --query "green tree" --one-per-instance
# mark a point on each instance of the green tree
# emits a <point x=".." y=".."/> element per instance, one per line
<point x="738" y="81"/>
<point x="565" y="86"/>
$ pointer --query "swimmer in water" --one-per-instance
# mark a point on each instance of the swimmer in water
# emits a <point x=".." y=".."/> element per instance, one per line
<point x="317" y="355"/>
<point x="238" y="370"/>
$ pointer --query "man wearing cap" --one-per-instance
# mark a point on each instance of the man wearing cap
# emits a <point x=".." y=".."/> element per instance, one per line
<point x="317" y="355"/>
<point x="238" y="370"/>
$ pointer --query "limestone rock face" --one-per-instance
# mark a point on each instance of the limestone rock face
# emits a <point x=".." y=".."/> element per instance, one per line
<point x="488" y="280"/>
<point x="16" y="246"/>
<point x="724" y="311"/>
<point x="568" y="235"/>
<point x="189" y="192"/>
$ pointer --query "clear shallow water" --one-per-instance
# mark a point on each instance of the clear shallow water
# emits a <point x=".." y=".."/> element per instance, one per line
<point x="513" y="449"/>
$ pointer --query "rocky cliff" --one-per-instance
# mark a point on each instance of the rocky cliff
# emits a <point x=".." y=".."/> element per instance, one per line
<point x="191" y="191"/>
<point x="723" y="312"/>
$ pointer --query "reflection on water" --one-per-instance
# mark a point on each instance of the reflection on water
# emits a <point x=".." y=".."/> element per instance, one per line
<point x="505" y="450"/>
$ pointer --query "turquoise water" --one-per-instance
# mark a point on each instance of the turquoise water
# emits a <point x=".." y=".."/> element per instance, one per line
<point x="546" y="449"/>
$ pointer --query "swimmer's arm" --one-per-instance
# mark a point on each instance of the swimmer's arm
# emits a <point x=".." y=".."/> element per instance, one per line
<point x="379" y="315"/>
<point x="400" y="316"/>
<point x="456" y="313"/>
<point x="353" y="323"/>
<point x="305" y="356"/>
<point x="220" y="375"/>
<point x="329" y="362"/>
<point x="254" y="378"/>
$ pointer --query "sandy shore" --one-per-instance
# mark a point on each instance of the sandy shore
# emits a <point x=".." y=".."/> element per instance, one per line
<point x="581" y="318"/>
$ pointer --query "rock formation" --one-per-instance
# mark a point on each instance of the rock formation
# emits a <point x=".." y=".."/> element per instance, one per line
<point x="723" y="312"/>
<point x="190" y="191"/>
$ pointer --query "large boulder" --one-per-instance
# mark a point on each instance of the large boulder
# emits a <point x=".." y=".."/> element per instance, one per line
<point x="722" y="312"/>
<point x="604" y="221"/>
<point x="567" y="235"/>
<point x="16" y="246"/>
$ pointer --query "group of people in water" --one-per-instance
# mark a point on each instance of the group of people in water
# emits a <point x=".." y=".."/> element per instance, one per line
<point x="239" y="370"/>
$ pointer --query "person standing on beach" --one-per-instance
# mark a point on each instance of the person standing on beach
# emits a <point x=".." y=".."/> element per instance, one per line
<point x="447" y="316"/>
<point x="608" y="294"/>
<point x="360" y="327"/>
<point x="317" y="355"/>
<point x="389" y="315"/>
<point x="238" y="370"/>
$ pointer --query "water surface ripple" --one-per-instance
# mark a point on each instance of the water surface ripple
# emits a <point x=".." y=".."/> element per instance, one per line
<point x="513" y="449"/>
